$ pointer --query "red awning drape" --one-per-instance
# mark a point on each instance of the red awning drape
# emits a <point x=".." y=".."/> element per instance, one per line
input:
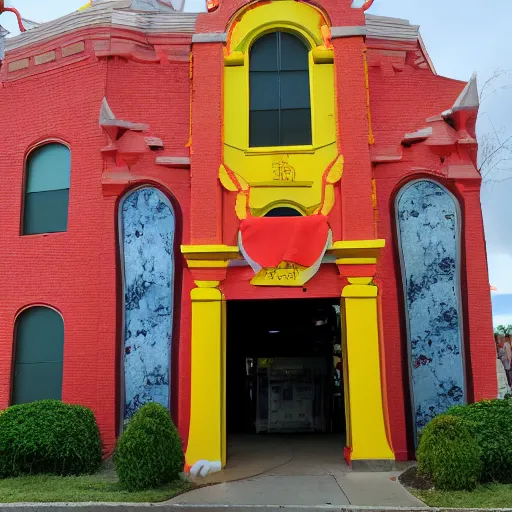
<point x="269" y="241"/>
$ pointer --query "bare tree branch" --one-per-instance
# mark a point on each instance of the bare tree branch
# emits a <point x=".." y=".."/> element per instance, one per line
<point x="495" y="146"/>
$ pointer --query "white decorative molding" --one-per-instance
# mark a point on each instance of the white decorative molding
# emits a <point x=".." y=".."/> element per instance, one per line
<point x="210" y="37"/>
<point x="383" y="27"/>
<point x="339" y="32"/>
<point x="108" y="14"/>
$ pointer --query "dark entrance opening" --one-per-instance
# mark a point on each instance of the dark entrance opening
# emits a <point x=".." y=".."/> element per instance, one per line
<point x="284" y="372"/>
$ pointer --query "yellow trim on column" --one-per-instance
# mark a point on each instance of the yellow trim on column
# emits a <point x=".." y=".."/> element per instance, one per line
<point x="224" y="378"/>
<point x="207" y="263"/>
<point x="357" y="249"/>
<point x="206" y="443"/>
<point x="210" y="252"/>
<point x="367" y="435"/>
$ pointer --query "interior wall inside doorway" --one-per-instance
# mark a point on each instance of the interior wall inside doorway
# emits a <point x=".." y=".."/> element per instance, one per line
<point x="284" y="368"/>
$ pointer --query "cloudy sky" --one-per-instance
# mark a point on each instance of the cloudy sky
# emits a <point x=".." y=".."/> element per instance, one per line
<point x="461" y="36"/>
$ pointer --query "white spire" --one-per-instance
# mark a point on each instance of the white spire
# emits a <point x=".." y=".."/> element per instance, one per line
<point x="468" y="98"/>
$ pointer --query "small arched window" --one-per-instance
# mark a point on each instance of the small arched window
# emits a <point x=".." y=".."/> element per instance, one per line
<point x="280" y="104"/>
<point x="38" y="360"/>
<point x="47" y="190"/>
<point x="283" y="211"/>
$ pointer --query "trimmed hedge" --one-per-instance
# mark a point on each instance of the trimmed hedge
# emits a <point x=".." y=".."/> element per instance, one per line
<point x="48" y="436"/>
<point x="149" y="453"/>
<point x="490" y="423"/>
<point x="449" y="454"/>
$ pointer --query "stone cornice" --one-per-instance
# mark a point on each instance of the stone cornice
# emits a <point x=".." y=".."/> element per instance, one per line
<point x="94" y="43"/>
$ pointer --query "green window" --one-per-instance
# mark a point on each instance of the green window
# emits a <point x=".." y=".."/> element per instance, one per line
<point x="47" y="190"/>
<point x="39" y="348"/>
<point x="280" y="104"/>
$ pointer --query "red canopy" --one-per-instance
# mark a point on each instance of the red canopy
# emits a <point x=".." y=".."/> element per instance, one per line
<point x="269" y="241"/>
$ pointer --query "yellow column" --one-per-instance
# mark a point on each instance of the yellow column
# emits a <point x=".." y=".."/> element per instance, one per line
<point x="206" y="452"/>
<point x="366" y="429"/>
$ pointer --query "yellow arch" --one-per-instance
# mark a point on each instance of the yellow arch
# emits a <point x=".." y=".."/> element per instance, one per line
<point x="257" y="166"/>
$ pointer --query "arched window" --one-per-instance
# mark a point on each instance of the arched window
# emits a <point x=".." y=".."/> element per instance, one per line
<point x="39" y="342"/>
<point x="428" y="223"/>
<point x="47" y="189"/>
<point x="147" y="227"/>
<point x="280" y="104"/>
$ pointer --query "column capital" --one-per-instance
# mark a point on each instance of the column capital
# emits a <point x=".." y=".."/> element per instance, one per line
<point x="360" y="280"/>
<point x="206" y="291"/>
<point x="360" y="287"/>
<point x="208" y="263"/>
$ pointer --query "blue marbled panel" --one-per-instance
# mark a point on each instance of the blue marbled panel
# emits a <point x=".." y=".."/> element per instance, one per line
<point x="428" y="226"/>
<point x="148" y="227"/>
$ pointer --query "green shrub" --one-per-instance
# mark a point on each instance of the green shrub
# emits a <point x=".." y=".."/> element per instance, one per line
<point x="490" y="422"/>
<point x="449" y="454"/>
<point x="48" y="437"/>
<point x="149" y="453"/>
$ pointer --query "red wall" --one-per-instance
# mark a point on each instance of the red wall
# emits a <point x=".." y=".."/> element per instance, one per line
<point x="77" y="272"/>
<point x="400" y="103"/>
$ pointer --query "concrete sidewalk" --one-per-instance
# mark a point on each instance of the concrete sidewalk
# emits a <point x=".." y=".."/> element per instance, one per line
<point x="360" y="489"/>
<point x="140" y="507"/>
<point x="299" y="471"/>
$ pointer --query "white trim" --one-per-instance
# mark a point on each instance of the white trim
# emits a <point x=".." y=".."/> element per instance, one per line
<point x="210" y="37"/>
<point x="339" y="32"/>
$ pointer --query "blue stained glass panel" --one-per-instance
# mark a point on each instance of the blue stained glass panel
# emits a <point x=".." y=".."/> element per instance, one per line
<point x="147" y="238"/>
<point x="428" y="229"/>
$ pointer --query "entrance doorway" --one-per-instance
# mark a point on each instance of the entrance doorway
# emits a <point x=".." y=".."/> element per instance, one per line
<point x="284" y="377"/>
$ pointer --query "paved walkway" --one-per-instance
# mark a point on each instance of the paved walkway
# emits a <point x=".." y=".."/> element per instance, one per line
<point x="296" y="470"/>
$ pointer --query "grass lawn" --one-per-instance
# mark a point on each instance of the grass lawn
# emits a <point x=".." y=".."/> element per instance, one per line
<point x="484" y="496"/>
<point x="99" y="487"/>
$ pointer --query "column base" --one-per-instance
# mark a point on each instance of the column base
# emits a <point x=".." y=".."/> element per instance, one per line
<point x="373" y="465"/>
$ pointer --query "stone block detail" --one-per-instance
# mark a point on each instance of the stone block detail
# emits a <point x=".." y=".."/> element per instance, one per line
<point x="18" y="64"/>
<point x="44" y="58"/>
<point x="73" y="49"/>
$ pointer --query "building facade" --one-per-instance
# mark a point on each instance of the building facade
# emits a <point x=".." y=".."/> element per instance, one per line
<point x="173" y="180"/>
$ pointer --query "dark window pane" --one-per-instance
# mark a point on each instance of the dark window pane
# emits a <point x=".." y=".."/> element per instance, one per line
<point x="295" y="127"/>
<point x="264" y="128"/>
<point x="48" y="168"/>
<point x="294" y="89"/>
<point x="41" y="381"/>
<point x="264" y="90"/>
<point x="283" y="211"/>
<point x="46" y="212"/>
<point x="40" y="335"/>
<point x="38" y="364"/>
<point x="294" y="54"/>
<point x="263" y="56"/>
<point x="280" y="103"/>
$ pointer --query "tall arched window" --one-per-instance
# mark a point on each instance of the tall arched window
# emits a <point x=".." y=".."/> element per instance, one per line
<point x="147" y="227"/>
<point x="38" y="359"/>
<point x="280" y="104"/>
<point x="47" y="189"/>
<point x="428" y="223"/>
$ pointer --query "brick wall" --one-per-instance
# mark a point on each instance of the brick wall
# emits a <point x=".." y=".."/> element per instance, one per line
<point x="77" y="272"/>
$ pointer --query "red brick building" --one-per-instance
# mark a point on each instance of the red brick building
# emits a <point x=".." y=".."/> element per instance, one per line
<point x="172" y="181"/>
